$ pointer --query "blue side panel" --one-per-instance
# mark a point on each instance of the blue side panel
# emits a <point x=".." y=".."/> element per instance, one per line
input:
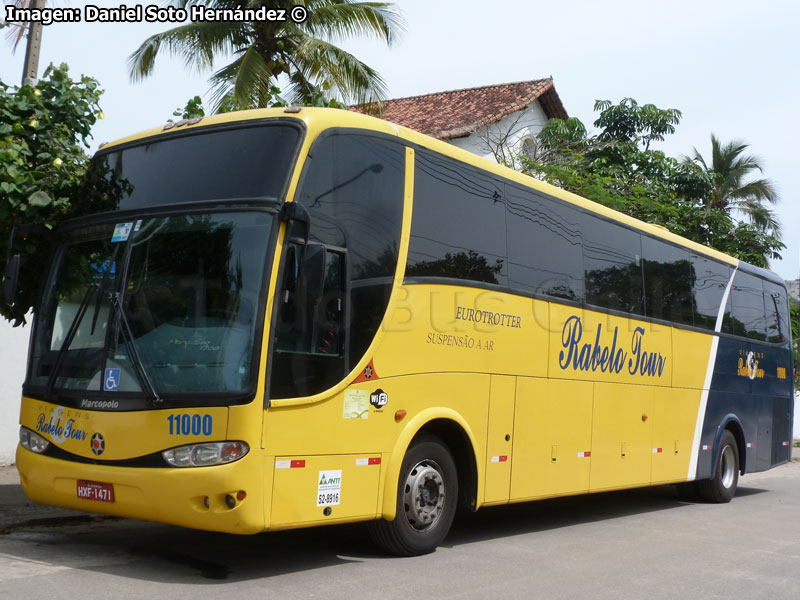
<point x="751" y="387"/>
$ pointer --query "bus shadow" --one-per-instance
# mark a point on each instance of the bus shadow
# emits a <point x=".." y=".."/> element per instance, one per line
<point x="543" y="515"/>
<point x="167" y="554"/>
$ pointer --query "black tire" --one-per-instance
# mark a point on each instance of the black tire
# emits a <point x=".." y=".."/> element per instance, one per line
<point x="427" y="495"/>
<point x="721" y="487"/>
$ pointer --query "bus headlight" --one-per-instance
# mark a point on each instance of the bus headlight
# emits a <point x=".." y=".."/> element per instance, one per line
<point x="32" y="441"/>
<point x="205" y="455"/>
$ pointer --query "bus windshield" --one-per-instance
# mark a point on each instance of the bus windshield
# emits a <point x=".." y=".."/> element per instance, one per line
<point x="244" y="163"/>
<point x="167" y="303"/>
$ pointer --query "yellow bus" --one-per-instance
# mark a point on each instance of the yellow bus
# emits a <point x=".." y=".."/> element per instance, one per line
<point x="294" y="317"/>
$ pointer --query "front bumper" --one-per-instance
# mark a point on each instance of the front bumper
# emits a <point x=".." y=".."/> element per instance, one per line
<point x="169" y="495"/>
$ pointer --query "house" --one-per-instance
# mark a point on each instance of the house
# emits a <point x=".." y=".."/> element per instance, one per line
<point x="498" y="122"/>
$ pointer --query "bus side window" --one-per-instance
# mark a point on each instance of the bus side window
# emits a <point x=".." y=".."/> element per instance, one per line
<point x="776" y="305"/>
<point x="709" y="279"/>
<point x="667" y="281"/>
<point x="747" y="316"/>
<point x="309" y="340"/>
<point x="612" y="260"/>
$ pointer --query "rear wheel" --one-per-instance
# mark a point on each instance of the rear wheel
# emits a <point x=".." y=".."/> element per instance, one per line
<point x="427" y="494"/>
<point x="722" y="486"/>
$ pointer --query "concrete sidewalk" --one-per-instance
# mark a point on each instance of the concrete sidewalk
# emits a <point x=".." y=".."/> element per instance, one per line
<point x="16" y="509"/>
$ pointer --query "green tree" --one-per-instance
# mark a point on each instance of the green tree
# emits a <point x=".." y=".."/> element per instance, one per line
<point x="265" y="50"/>
<point x="619" y="168"/>
<point x="733" y="187"/>
<point x="43" y="137"/>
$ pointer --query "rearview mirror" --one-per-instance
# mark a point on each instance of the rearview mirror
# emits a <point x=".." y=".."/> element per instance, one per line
<point x="11" y="279"/>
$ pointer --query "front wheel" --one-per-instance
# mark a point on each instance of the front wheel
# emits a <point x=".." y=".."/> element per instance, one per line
<point x="722" y="486"/>
<point x="427" y="494"/>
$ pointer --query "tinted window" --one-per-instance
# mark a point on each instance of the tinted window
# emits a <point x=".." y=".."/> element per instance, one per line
<point x="613" y="266"/>
<point x="458" y="229"/>
<point x="777" y="308"/>
<point x="353" y="187"/>
<point x="309" y="349"/>
<point x="747" y="317"/>
<point x="544" y="245"/>
<point x="251" y="162"/>
<point x="709" y="279"/>
<point x="667" y="281"/>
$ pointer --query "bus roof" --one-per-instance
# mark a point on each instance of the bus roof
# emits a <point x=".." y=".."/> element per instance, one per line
<point x="317" y="120"/>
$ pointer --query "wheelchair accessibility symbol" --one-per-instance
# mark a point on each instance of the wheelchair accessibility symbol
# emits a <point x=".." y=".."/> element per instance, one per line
<point x="111" y="380"/>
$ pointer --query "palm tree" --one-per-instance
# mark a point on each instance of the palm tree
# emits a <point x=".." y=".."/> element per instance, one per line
<point x="264" y="50"/>
<point x="729" y="172"/>
<point x="16" y="34"/>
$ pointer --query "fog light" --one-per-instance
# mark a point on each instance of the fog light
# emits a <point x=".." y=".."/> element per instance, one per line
<point x="206" y="503"/>
<point x="230" y="501"/>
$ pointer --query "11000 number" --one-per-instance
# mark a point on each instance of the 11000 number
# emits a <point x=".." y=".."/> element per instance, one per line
<point x="189" y="424"/>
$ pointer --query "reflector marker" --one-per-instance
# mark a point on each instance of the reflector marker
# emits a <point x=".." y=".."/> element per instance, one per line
<point x="786" y="443"/>
<point x="656" y="450"/>
<point x="499" y="459"/>
<point x="363" y="462"/>
<point x="706" y="447"/>
<point x="290" y="464"/>
<point x="584" y="454"/>
<point x="750" y="445"/>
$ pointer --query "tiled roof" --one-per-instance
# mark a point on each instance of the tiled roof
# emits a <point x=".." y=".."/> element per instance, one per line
<point x="457" y="113"/>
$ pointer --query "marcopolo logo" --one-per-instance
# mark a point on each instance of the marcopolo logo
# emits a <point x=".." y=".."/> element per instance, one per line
<point x="378" y="398"/>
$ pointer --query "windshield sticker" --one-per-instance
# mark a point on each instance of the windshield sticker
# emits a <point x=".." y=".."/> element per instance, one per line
<point x="111" y="380"/>
<point x="356" y="404"/>
<point x="330" y="488"/>
<point x="121" y="232"/>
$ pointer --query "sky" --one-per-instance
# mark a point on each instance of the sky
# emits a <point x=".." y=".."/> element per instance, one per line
<point x="731" y="67"/>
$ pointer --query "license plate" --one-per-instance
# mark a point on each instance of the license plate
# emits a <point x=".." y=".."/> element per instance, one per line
<point x="95" y="490"/>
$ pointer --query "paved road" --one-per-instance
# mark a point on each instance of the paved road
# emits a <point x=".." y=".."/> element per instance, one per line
<point x="637" y="544"/>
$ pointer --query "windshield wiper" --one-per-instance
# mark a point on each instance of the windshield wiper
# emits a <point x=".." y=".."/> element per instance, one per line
<point x="73" y="329"/>
<point x="130" y="344"/>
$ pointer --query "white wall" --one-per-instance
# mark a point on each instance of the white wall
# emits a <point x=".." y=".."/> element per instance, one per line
<point x="13" y="356"/>
<point x="515" y="127"/>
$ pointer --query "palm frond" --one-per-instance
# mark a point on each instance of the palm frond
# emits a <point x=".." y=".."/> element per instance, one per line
<point x="246" y="82"/>
<point x="761" y="190"/>
<point x="337" y="21"/>
<point x="198" y="43"/>
<point x="321" y="62"/>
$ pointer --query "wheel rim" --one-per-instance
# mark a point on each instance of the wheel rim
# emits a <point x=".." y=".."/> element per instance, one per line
<point x="424" y="495"/>
<point x="727" y="466"/>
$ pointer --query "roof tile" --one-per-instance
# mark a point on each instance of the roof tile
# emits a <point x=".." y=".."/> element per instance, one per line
<point x="457" y="113"/>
